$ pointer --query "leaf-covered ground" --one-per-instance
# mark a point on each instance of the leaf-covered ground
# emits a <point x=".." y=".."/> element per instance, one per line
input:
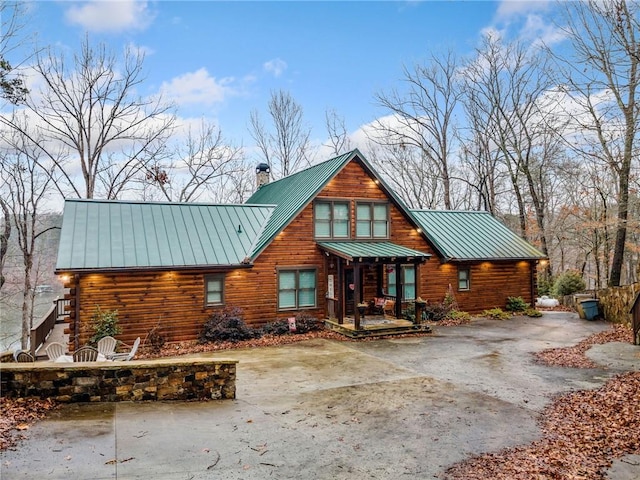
<point x="17" y="415"/>
<point x="582" y="432"/>
<point x="575" y="356"/>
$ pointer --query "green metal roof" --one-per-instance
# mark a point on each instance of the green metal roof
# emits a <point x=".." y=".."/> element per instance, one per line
<point x="466" y="235"/>
<point x="367" y="251"/>
<point x="100" y="234"/>
<point x="293" y="193"/>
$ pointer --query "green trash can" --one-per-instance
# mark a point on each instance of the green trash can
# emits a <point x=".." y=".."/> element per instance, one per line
<point x="590" y="308"/>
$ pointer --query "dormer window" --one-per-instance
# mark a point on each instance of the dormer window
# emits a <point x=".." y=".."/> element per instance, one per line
<point x="372" y="220"/>
<point x="331" y="219"/>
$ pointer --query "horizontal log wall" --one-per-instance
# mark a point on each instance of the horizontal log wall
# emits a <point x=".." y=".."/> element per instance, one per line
<point x="491" y="283"/>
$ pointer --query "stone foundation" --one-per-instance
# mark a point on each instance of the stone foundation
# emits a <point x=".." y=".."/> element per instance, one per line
<point x="162" y="379"/>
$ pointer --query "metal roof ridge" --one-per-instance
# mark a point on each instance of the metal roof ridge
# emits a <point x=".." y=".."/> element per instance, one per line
<point x="147" y="202"/>
<point x="249" y="255"/>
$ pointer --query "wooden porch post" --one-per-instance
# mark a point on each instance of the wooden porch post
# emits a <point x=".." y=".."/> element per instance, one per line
<point x="339" y="291"/>
<point x="356" y="295"/>
<point x="398" y="290"/>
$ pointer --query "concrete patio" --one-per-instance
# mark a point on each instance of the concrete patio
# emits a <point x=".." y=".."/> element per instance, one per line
<point x="385" y="409"/>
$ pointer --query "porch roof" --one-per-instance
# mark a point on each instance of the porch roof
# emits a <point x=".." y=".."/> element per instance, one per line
<point x="377" y="252"/>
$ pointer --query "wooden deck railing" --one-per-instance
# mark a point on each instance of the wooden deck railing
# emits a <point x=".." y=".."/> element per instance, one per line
<point x="44" y="326"/>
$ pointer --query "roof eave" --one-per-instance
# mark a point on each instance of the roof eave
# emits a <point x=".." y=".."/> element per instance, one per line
<point x="162" y="268"/>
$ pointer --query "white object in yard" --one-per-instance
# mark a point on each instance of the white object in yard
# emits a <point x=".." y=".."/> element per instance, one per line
<point x="545" y="301"/>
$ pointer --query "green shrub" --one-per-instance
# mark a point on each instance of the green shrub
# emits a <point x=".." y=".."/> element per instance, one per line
<point x="104" y="324"/>
<point x="496" y="314"/>
<point x="545" y="286"/>
<point x="568" y="283"/>
<point x="227" y="325"/>
<point x="459" y="315"/>
<point x="516" y="304"/>
<point x="532" y="312"/>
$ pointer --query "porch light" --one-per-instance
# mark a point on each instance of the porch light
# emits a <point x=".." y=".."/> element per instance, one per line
<point x="419" y="230"/>
<point x="376" y="181"/>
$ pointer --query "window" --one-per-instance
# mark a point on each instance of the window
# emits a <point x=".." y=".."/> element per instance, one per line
<point x="296" y="289"/>
<point x="372" y="220"/>
<point x="408" y="281"/>
<point x="464" y="279"/>
<point x="214" y="289"/>
<point x="331" y="219"/>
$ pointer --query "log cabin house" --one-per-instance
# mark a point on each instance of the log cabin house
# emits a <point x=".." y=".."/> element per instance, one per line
<point x="324" y="241"/>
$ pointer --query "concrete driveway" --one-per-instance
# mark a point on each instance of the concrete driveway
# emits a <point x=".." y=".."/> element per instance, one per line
<point x="386" y="409"/>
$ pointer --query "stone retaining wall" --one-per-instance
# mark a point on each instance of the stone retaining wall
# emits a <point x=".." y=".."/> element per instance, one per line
<point x="162" y="379"/>
<point x="616" y="302"/>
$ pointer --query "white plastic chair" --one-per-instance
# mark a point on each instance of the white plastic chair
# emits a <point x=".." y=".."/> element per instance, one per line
<point x="125" y="357"/>
<point x="107" y="346"/>
<point x="55" y="350"/>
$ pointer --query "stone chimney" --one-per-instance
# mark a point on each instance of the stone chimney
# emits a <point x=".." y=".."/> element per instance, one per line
<point x="262" y="174"/>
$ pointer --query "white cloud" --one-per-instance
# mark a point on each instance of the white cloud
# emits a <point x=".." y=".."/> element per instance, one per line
<point x="198" y="88"/>
<point x="537" y="30"/>
<point x="110" y="16"/>
<point x="140" y="49"/>
<point x="511" y="8"/>
<point x="276" y="67"/>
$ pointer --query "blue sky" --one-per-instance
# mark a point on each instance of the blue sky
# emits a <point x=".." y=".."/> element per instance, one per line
<point x="220" y="60"/>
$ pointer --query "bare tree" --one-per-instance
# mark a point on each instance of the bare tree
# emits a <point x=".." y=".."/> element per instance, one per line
<point x="198" y="167"/>
<point x="423" y="116"/>
<point x="27" y="187"/>
<point x="406" y="171"/>
<point x="338" y="136"/>
<point x="285" y="146"/>
<point x="602" y="78"/>
<point x="12" y="87"/>
<point x="506" y="85"/>
<point x="93" y="121"/>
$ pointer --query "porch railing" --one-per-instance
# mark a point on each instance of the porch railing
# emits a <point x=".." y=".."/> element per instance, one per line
<point x="44" y="326"/>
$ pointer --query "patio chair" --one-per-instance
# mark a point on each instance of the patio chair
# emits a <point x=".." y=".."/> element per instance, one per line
<point x="21" y="356"/>
<point x="125" y="357"/>
<point x="85" y="354"/>
<point x="107" y="346"/>
<point x="55" y="350"/>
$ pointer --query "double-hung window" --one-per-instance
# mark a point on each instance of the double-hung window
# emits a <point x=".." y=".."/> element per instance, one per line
<point x="464" y="279"/>
<point x="372" y="220"/>
<point x="331" y="219"/>
<point x="214" y="289"/>
<point x="407" y="281"/>
<point x="296" y="289"/>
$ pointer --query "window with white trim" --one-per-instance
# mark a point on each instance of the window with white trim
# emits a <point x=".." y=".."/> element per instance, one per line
<point x="331" y="219"/>
<point x="296" y="289"/>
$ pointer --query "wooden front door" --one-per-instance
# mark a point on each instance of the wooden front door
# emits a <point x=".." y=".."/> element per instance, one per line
<point x="349" y="291"/>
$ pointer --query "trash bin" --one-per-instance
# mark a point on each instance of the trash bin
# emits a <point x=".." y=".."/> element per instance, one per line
<point x="590" y="308"/>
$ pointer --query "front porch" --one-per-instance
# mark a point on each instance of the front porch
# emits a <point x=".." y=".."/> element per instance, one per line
<point x="372" y="288"/>
<point x="375" y="326"/>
